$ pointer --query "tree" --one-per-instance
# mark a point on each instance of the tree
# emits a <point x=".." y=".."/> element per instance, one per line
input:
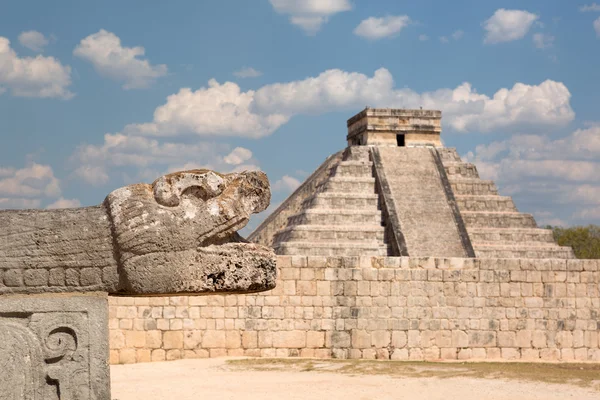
<point x="585" y="240"/>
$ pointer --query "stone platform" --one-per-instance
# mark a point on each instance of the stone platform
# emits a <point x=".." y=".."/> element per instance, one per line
<point x="400" y="308"/>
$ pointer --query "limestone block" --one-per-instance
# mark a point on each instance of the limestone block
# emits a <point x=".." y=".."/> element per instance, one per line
<point x="567" y="355"/>
<point x="380" y="338"/>
<point x="464" y="354"/>
<point x="580" y="354"/>
<point x="192" y="339"/>
<point x="135" y="339"/>
<point x="174" y="354"/>
<point x="249" y="340"/>
<point x="399" y="339"/>
<point x="265" y="339"/>
<point x="154" y="339"/>
<point x="306" y="288"/>
<point x="361" y="339"/>
<point x="507" y="339"/>
<point x="550" y="354"/>
<point x="539" y="339"/>
<point x="116" y="339"/>
<point x="337" y="339"/>
<point x="460" y="339"/>
<point x="510" y="353"/>
<point x="478" y="353"/>
<point x="289" y="339"/>
<point x="431" y="354"/>
<point x="523" y="338"/>
<point x="114" y="357"/>
<point x="590" y="339"/>
<point x="159" y="355"/>
<point x="127" y="356"/>
<point x="143" y="355"/>
<point x="232" y="340"/>
<point x="482" y="338"/>
<point x="173" y="340"/>
<point x="400" y="355"/>
<point x="323" y="353"/>
<point x="415" y="354"/>
<point x="449" y="353"/>
<point x="315" y="339"/>
<point x="56" y="343"/>
<point x="563" y="339"/>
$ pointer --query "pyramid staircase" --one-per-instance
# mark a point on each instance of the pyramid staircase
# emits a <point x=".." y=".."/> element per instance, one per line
<point x="495" y="226"/>
<point x="342" y="217"/>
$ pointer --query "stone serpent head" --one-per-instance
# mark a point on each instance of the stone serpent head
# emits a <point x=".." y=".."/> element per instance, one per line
<point x="179" y="235"/>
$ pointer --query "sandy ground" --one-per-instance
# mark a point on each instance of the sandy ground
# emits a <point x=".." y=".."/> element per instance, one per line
<point x="215" y="379"/>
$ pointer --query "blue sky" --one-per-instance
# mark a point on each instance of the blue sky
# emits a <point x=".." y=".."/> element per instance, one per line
<point x="94" y="96"/>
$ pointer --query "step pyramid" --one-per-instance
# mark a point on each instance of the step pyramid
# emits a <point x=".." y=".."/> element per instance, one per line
<point x="342" y="217"/>
<point x="496" y="228"/>
<point x="395" y="190"/>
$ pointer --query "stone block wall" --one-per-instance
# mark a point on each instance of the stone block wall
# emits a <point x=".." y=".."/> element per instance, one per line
<point x="379" y="307"/>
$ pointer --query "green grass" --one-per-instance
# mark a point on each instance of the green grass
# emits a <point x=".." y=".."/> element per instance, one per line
<point x="583" y="375"/>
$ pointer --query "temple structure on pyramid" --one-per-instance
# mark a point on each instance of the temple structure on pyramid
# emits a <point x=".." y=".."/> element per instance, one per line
<point x="396" y="191"/>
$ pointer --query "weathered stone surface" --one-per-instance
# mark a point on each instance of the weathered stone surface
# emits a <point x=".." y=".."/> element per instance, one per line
<point x="178" y="235"/>
<point x="54" y="347"/>
<point x="408" y="192"/>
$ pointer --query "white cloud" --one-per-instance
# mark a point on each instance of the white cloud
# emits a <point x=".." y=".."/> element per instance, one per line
<point x="26" y="187"/>
<point x="247" y="72"/>
<point x="378" y="28"/>
<point x="597" y="26"/>
<point x="457" y="35"/>
<point x="140" y="158"/>
<point x="104" y="51"/>
<point x="310" y="15"/>
<point x="559" y="175"/>
<point x="286" y="184"/>
<point x="33" y="40"/>
<point x="508" y="25"/>
<point x="464" y="109"/>
<point x="423" y="38"/>
<point x="224" y="110"/>
<point x="543" y="41"/>
<point x="35" y="180"/>
<point x="217" y="110"/>
<point x="238" y="156"/>
<point x="64" y="203"/>
<point x="32" y="76"/>
<point x="590" y="7"/>
<point x="94" y="175"/>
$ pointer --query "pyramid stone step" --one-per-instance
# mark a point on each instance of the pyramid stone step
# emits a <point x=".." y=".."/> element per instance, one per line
<point x="478" y="219"/>
<point x="419" y="197"/>
<point x="367" y="233"/>
<point x="342" y="200"/>
<point x="523" y="251"/>
<point x="508" y="235"/>
<point x="357" y="153"/>
<point x="354" y="168"/>
<point x="448" y="154"/>
<point x="485" y="203"/>
<point x="462" y="169"/>
<point x="346" y="249"/>
<point x="336" y="217"/>
<point x="348" y="185"/>
<point x="473" y="187"/>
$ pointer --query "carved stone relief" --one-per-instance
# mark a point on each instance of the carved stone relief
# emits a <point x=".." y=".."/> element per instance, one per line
<point x="45" y="347"/>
